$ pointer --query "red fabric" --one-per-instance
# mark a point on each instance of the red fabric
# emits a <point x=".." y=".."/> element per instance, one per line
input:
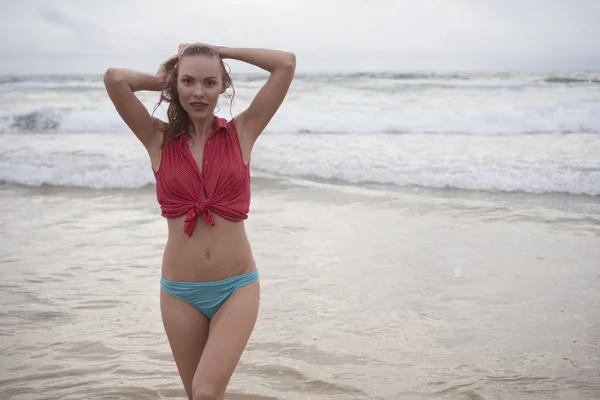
<point x="222" y="185"/>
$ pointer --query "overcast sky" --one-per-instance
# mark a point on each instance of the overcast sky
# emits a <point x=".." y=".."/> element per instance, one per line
<point x="85" y="36"/>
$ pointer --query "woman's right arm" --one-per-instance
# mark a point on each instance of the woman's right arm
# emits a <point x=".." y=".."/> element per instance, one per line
<point x="121" y="84"/>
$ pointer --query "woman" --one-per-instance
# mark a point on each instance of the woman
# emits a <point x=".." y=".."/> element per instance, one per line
<point x="209" y="286"/>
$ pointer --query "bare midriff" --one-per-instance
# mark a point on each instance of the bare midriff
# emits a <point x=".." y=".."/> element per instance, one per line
<point x="212" y="252"/>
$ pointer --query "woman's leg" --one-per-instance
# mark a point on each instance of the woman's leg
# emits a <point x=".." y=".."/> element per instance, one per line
<point x="229" y="331"/>
<point x="187" y="331"/>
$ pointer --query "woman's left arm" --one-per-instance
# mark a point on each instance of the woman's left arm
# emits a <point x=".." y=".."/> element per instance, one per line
<point x="282" y="66"/>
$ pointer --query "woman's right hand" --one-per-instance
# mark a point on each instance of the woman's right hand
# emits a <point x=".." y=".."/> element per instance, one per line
<point x="166" y="68"/>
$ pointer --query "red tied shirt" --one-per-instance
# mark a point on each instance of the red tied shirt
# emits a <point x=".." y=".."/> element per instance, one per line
<point x="222" y="185"/>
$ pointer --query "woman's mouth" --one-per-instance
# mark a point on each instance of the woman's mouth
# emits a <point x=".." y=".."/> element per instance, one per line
<point x="198" y="105"/>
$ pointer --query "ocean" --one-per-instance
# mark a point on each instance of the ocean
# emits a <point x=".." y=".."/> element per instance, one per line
<point x="499" y="132"/>
<point x="418" y="236"/>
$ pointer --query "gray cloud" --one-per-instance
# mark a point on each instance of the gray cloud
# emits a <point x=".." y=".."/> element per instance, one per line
<point x="82" y="33"/>
<point x="88" y="36"/>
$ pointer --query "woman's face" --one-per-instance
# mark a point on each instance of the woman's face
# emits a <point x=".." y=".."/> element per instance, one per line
<point x="199" y="84"/>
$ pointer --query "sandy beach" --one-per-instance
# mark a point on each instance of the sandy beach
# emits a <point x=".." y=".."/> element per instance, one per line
<point x="366" y="294"/>
<point x="425" y="206"/>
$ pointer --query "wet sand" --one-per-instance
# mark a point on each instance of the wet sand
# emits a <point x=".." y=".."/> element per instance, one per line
<point x="365" y="295"/>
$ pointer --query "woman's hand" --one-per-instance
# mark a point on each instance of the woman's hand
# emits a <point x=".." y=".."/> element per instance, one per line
<point x="166" y="68"/>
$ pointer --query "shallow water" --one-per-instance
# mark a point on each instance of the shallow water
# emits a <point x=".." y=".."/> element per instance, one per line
<point x="364" y="296"/>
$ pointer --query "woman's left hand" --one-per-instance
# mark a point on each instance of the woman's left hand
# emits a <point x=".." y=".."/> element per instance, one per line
<point x="166" y="68"/>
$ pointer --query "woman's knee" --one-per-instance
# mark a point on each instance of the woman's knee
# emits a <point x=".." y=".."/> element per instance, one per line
<point x="204" y="391"/>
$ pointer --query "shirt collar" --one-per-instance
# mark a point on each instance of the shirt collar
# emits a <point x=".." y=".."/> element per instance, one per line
<point x="219" y="124"/>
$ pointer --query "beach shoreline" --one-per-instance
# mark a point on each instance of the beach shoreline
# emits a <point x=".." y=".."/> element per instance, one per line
<point x="418" y="236"/>
<point x="365" y="294"/>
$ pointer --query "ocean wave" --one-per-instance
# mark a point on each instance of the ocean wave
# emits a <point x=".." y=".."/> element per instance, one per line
<point x="100" y="177"/>
<point x="493" y="119"/>
<point x="537" y="165"/>
<point x="94" y="81"/>
<point x="488" y="182"/>
<point x="64" y="120"/>
<point x="566" y="79"/>
<point x="495" y="103"/>
<point x="60" y="83"/>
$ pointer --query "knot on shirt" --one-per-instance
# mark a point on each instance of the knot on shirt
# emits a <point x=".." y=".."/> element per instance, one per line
<point x="200" y="208"/>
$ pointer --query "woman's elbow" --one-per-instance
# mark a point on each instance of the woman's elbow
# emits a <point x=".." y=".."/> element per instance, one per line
<point x="291" y="61"/>
<point x="287" y="62"/>
<point x="111" y="76"/>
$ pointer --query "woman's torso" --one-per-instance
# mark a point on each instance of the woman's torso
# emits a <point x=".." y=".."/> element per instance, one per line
<point x="206" y="242"/>
<point x="211" y="253"/>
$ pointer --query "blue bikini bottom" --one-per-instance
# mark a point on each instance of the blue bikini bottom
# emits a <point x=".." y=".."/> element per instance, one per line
<point x="207" y="297"/>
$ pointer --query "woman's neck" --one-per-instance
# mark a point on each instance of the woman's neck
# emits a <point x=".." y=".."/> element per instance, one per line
<point x="202" y="127"/>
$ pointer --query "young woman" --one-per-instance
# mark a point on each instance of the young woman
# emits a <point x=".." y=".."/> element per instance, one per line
<point x="209" y="286"/>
